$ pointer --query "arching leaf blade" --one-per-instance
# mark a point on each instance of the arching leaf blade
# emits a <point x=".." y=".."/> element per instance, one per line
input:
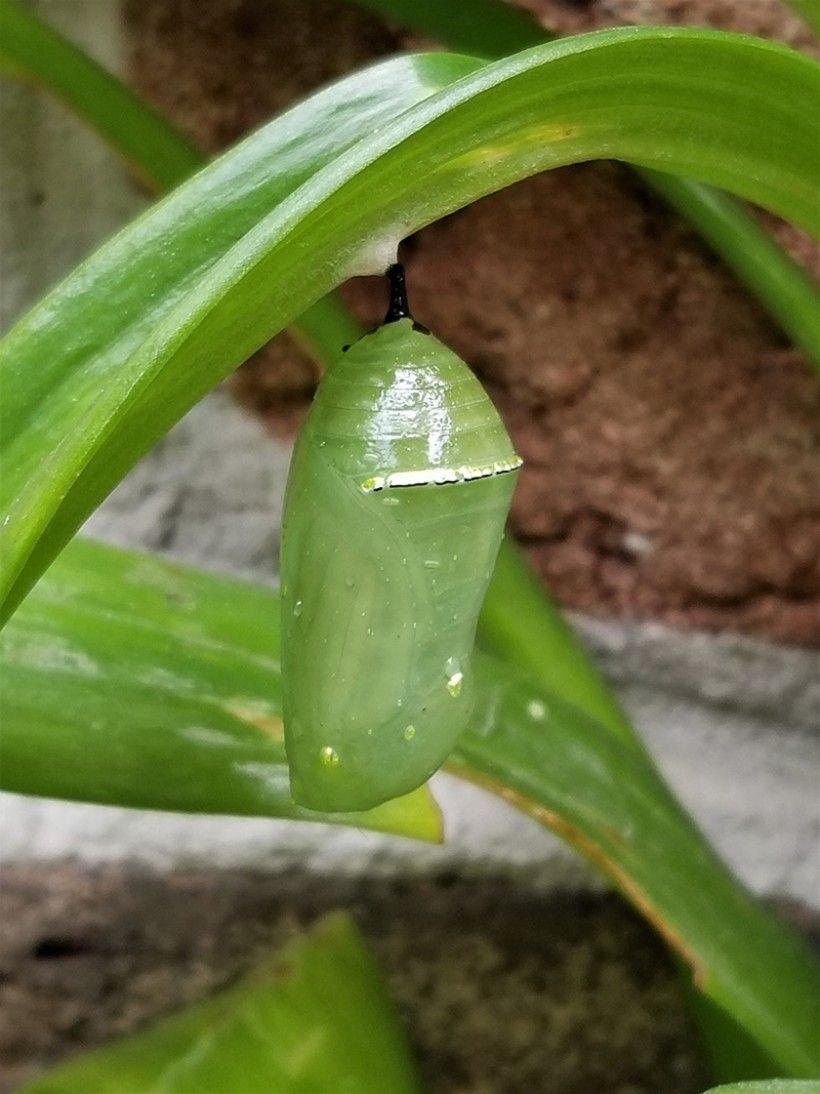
<point x="147" y="668"/>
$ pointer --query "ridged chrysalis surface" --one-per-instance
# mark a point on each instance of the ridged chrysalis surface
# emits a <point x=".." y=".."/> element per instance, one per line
<point x="399" y="488"/>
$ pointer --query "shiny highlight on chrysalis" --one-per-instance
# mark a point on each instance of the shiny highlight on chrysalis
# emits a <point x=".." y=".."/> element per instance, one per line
<point x="398" y="491"/>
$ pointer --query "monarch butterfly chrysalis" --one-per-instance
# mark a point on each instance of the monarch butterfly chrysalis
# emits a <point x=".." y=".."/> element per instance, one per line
<point x="398" y="491"/>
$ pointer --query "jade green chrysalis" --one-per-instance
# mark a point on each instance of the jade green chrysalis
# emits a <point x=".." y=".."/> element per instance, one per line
<point x="399" y="487"/>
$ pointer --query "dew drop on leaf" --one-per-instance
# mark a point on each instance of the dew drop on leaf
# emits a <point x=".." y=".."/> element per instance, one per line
<point x="537" y="710"/>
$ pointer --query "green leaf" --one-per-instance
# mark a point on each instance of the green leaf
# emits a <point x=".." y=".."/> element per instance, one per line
<point x="130" y="341"/>
<point x="488" y="28"/>
<point x="158" y="153"/>
<point x="138" y="281"/>
<point x="570" y="773"/>
<point x="785" y="288"/>
<point x="770" y="1086"/>
<point x="202" y="638"/>
<point x="109" y="631"/>
<point x="313" y="1017"/>
<point x="809" y="12"/>
<point x="730" y="1054"/>
<point x="31" y="50"/>
<point x="492" y="28"/>
<point x="522" y="624"/>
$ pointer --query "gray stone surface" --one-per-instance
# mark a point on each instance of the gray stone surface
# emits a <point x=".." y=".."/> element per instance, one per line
<point x="209" y="493"/>
<point x="728" y="670"/>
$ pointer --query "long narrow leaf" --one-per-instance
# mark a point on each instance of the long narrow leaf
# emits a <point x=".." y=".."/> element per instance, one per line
<point x="118" y="353"/>
<point x="156" y="151"/>
<point x="69" y="698"/>
<point x="488" y="28"/>
<point x="809" y="12"/>
<point x="31" y="50"/>
<point x="789" y="292"/>
<point x="313" y="1017"/>
<point x="491" y="28"/>
<point x="523" y="625"/>
<point x="196" y="738"/>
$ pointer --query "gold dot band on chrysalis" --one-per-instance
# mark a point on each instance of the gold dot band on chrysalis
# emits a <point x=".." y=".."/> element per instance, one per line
<point x="438" y="476"/>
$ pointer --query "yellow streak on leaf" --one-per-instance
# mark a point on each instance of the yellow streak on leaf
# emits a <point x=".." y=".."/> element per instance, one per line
<point x="549" y="133"/>
<point x="596" y="854"/>
<point x="269" y="723"/>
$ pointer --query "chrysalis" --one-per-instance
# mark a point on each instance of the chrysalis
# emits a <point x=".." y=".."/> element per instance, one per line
<point x="398" y="491"/>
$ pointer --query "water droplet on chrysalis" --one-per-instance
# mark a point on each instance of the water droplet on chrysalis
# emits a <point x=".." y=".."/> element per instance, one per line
<point x="409" y="733"/>
<point x="297" y="608"/>
<point x="454" y="675"/>
<point x="329" y="756"/>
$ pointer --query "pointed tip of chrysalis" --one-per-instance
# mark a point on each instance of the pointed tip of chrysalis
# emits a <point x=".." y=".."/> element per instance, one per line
<point x="398" y="308"/>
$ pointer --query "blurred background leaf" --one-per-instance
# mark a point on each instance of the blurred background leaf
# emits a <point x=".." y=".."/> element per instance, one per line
<point x="313" y="1017"/>
<point x="809" y="12"/>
